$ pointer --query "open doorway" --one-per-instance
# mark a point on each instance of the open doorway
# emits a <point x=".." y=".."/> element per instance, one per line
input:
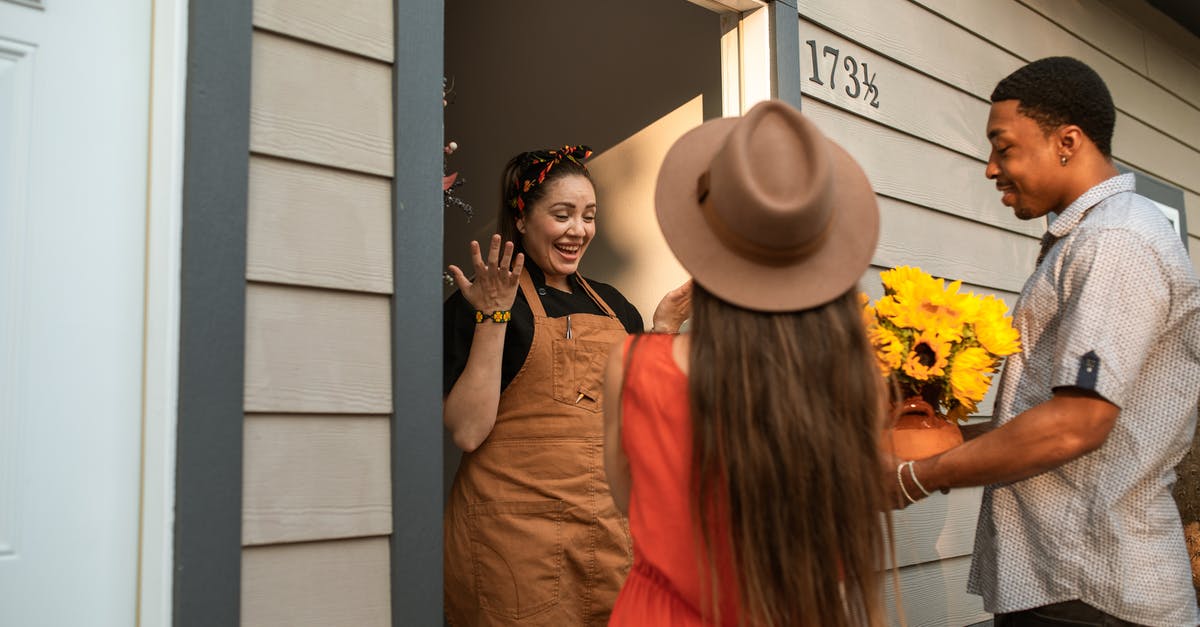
<point x="625" y="77"/>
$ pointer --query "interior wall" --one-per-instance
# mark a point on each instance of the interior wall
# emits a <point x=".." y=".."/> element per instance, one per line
<point x="561" y="72"/>
<point x="625" y="77"/>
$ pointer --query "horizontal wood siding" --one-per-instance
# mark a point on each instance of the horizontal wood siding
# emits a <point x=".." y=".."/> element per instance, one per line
<point x="932" y="595"/>
<point x="317" y="506"/>
<point x="359" y="26"/>
<point x="937" y="528"/>
<point x="317" y="584"/>
<point x="1157" y="130"/>
<point x="951" y="247"/>
<point x="310" y="225"/>
<point x="319" y="105"/>
<point x="315" y="477"/>
<point x="961" y="56"/>
<point x="1023" y="32"/>
<point x="317" y="351"/>
<point x="928" y="175"/>
<point x="935" y="63"/>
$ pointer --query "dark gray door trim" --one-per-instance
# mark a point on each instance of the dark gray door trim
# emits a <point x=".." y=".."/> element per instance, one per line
<point x="208" y="474"/>
<point x="1160" y="191"/>
<point x="416" y="557"/>
<point x="785" y="51"/>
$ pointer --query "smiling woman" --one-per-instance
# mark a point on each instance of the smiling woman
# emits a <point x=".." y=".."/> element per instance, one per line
<point x="557" y="230"/>
<point x="559" y="220"/>
<point x="531" y="531"/>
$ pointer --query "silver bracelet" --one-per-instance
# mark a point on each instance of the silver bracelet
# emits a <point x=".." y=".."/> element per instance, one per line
<point x="900" y="480"/>
<point x="914" y="478"/>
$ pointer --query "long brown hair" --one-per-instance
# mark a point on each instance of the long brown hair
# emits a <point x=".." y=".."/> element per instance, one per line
<point x="786" y="412"/>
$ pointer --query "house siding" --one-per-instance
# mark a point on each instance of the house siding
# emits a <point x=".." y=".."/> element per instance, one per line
<point x="935" y="63"/>
<point x="317" y="506"/>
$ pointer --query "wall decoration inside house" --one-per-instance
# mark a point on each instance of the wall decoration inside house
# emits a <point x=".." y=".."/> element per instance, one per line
<point x="450" y="180"/>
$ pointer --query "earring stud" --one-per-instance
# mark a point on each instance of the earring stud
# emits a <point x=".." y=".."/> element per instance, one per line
<point x="1062" y="160"/>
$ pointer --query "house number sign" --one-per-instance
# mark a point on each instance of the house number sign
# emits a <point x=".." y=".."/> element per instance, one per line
<point x="852" y="75"/>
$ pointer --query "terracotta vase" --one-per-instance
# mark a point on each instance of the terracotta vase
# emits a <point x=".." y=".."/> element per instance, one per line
<point x="919" y="432"/>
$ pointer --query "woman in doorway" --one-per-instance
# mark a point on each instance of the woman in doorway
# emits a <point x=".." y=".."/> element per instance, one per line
<point x="746" y="451"/>
<point x="531" y="533"/>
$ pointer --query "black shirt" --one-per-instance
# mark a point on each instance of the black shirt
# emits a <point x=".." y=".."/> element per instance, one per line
<point x="459" y="322"/>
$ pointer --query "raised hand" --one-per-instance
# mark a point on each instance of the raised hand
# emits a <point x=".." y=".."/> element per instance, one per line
<point x="495" y="284"/>
<point x="673" y="309"/>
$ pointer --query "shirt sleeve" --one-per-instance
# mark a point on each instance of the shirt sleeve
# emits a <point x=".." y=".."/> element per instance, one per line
<point x="1115" y="299"/>
<point x="458" y="329"/>
<point x="630" y="317"/>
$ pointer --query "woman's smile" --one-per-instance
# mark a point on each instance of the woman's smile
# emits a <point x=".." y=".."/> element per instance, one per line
<point x="556" y="229"/>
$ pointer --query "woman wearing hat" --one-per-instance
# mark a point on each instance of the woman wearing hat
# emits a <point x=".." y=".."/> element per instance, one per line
<point x="531" y="533"/>
<point x="746" y="451"/>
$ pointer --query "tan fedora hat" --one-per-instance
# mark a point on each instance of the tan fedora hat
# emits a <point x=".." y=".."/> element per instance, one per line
<point x="765" y="212"/>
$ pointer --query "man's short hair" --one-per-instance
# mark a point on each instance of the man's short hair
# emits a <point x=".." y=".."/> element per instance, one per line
<point x="1061" y="90"/>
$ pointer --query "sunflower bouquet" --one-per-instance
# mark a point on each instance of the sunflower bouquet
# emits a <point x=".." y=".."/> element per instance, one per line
<point x="936" y="343"/>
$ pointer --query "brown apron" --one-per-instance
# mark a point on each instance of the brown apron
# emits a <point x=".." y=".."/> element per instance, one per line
<point x="532" y="535"/>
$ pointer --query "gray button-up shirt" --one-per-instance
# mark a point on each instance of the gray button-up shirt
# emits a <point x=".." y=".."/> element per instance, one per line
<point x="1115" y="308"/>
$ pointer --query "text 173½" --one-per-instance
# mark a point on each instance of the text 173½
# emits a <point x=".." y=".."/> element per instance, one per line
<point x="858" y="81"/>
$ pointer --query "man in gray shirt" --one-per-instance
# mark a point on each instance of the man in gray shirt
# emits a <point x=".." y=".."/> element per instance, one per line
<point x="1077" y="524"/>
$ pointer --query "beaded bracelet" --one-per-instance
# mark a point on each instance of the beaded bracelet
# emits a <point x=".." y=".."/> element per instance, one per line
<point x="495" y="316"/>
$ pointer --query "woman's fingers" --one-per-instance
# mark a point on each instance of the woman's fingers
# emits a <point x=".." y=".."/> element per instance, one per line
<point x="518" y="266"/>
<point x="477" y="258"/>
<point x="683" y="295"/>
<point x="493" y="281"/>
<point x="460" y="279"/>
<point x="506" y="260"/>
<point x="493" y="257"/>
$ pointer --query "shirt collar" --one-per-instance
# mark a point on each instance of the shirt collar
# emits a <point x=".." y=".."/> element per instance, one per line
<point x="539" y="277"/>
<point x="1075" y="212"/>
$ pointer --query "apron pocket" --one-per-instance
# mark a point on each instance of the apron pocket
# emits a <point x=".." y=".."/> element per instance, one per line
<point x="517" y="555"/>
<point x="579" y="372"/>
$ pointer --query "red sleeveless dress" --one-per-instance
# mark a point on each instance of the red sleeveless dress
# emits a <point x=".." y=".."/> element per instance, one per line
<point x="664" y="586"/>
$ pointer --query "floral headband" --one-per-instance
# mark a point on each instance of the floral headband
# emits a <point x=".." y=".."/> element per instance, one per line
<point x="537" y="164"/>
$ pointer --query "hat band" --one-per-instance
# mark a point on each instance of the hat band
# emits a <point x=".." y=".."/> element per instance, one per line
<point x="750" y="249"/>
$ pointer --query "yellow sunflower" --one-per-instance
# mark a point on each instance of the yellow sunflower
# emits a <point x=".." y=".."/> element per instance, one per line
<point x="931" y="337"/>
<point x="888" y="308"/>
<point x="945" y="311"/>
<point x="906" y="280"/>
<point x="868" y="312"/>
<point x="927" y="304"/>
<point x="889" y="348"/>
<point x="928" y="357"/>
<point x="993" y="329"/>
<point x="970" y="375"/>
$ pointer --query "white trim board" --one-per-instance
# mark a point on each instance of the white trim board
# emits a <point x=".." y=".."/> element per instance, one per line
<point x="160" y="382"/>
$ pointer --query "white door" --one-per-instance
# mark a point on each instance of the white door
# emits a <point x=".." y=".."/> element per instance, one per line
<point x="74" y="92"/>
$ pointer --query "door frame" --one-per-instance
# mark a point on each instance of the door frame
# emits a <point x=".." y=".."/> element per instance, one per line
<point x="160" y="351"/>
<point x="416" y="541"/>
<point x="207" y="561"/>
<point x="760" y="52"/>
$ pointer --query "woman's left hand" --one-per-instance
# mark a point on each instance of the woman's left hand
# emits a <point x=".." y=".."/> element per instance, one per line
<point x="673" y="309"/>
